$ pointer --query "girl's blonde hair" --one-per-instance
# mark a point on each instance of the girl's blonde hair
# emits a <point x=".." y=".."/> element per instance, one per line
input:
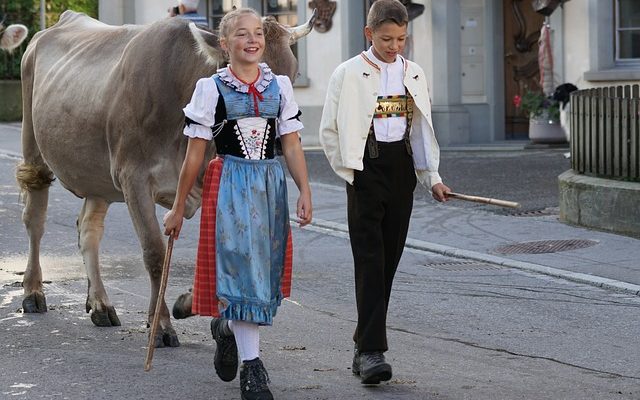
<point x="226" y="23"/>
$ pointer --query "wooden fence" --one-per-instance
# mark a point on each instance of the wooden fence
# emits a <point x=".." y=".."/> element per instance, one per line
<point x="605" y="132"/>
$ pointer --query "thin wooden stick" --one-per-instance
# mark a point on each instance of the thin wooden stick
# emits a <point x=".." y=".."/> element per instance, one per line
<point x="484" y="200"/>
<point x="156" y="314"/>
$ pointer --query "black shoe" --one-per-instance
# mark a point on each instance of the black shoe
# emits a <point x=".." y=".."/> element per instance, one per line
<point x="226" y="358"/>
<point x="253" y="381"/>
<point x="355" y="365"/>
<point x="373" y="368"/>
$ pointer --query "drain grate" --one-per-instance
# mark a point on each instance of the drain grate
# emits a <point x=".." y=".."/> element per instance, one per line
<point x="463" y="266"/>
<point x="545" y="246"/>
<point x="545" y="212"/>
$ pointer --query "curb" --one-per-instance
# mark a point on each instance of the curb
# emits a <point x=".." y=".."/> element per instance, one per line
<point x="341" y="230"/>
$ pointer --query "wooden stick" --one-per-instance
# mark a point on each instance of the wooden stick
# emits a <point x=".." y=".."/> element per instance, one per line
<point x="156" y="314"/>
<point x="484" y="200"/>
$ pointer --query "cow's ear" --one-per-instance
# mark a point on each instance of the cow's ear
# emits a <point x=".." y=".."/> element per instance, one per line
<point x="208" y="44"/>
<point x="13" y="36"/>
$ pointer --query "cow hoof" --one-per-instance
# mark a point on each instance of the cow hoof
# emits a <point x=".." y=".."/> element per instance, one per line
<point x="105" y="318"/>
<point x="34" y="303"/>
<point x="182" y="306"/>
<point x="168" y="338"/>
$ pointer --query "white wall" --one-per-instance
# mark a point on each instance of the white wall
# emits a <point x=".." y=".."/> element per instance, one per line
<point x="576" y="43"/>
<point x="323" y="56"/>
<point x="148" y="11"/>
<point x="422" y="37"/>
<point x="118" y="12"/>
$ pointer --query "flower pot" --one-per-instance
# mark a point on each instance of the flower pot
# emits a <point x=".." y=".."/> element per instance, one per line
<point x="10" y="100"/>
<point x="543" y="129"/>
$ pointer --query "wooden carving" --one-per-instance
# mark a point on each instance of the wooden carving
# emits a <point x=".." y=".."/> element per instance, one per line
<point x="324" y="14"/>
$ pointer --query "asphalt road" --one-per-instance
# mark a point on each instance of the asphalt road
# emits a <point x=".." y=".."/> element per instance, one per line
<point x="456" y="330"/>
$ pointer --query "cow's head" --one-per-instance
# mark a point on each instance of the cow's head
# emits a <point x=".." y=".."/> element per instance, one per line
<point x="278" y="38"/>
<point x="12" y="36"/>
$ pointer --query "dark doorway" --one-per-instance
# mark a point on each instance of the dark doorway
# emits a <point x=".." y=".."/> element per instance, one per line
<point x="521" y="72"/>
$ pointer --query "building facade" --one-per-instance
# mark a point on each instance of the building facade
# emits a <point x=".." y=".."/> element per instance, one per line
<point x="477" y="54"/>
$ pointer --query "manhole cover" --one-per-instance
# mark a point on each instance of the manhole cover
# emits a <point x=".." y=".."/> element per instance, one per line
<point x="545" y="246"/>
<point x="463" y="266"/>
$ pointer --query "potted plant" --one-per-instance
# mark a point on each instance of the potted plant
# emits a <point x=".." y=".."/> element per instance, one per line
<point x="544" y="117"/>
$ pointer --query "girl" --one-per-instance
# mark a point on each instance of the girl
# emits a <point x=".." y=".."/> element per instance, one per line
<point x="244" y="252"/>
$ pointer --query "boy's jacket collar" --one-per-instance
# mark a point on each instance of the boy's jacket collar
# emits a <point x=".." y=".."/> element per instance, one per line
<point x="377" y="68"/>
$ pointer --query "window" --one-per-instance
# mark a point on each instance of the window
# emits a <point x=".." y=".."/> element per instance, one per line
<point x="627" y="30"/>
<point x="217" y="9"/>
<point x="286" y="12"/>
<point x="614" y="40"/>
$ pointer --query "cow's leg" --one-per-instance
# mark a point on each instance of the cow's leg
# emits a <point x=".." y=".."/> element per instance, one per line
<point x="90" y="230"/>
<point x="34" y="178"/>
<point x="33" y="216"/>
<point x="143" y="214"/>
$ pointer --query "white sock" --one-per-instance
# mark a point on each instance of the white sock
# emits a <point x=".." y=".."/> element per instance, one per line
<point x="247" y="339"/>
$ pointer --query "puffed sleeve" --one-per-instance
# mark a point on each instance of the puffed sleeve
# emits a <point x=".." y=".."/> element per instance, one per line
<point x="289" y="121"/>
<point x="201" y="110"/>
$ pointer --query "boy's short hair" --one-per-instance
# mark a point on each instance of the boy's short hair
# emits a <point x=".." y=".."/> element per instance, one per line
<point x="383" y="11"/>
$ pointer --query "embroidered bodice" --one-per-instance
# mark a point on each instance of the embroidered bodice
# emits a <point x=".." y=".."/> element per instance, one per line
<point x="243" y="119"/>
<point x="246" y="122"/>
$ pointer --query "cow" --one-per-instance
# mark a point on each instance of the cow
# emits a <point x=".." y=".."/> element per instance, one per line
<point x="102" y="114"/>
<point x="12" y="36"/>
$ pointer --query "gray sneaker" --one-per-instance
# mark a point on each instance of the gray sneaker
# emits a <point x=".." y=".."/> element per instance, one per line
<point x="355" y="364"/>
<point x="373" y="368"/>
<point x="253" y="381"/>
<point x="226" y="358"/>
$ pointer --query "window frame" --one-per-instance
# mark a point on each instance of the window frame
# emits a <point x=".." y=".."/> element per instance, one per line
<point x="602" y="41"/>
<point x="618" y="30"/>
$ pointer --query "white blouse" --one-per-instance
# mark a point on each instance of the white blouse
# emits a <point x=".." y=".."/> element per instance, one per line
<point x="202" y="109"/>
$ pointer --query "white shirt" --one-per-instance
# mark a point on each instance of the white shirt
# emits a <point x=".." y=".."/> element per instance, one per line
<point x="202" y="109"/>
<point x="391" y="76"/>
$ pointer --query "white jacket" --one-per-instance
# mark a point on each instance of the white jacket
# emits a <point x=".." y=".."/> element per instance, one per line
<point x="348" y="111"/>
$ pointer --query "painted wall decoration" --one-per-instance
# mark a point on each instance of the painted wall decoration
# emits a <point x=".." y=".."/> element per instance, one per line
<point x="324" y="14"/>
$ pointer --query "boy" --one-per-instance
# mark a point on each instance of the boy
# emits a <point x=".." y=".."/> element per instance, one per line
<point x="377" y="133"/>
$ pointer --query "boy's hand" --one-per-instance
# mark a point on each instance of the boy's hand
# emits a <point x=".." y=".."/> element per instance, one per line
<point x="439" y="192"/>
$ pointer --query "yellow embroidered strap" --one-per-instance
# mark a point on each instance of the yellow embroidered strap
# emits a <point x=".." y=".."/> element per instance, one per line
<point x="391" y="106"/>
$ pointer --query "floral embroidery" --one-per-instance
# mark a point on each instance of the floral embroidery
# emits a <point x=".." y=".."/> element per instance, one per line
<point x="252" y="133"/>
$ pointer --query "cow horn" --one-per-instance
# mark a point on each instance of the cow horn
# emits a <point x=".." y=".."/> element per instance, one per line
<point x="302" y="30"/>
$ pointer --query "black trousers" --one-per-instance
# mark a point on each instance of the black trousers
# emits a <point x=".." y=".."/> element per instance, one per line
<point x="379" y="205"/>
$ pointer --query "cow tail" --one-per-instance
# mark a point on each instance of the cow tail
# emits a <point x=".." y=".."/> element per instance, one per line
<point x="33" y="177"/>
<point x="33" y="173"/>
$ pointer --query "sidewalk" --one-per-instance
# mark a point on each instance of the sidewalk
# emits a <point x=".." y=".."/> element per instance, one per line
<point x="608" y="260"/>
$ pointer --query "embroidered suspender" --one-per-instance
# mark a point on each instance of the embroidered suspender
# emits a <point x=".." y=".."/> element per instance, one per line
<point x="392" y="106"/>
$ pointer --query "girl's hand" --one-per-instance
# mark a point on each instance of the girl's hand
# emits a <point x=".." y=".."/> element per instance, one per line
<point x="439" y="192"/>
<point x="172" y="221"/>
<point x="304" y="209"/>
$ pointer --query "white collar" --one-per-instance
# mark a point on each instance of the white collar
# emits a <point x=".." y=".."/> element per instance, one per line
<point x="381" y="64"/>
<point x="229" y="79"/>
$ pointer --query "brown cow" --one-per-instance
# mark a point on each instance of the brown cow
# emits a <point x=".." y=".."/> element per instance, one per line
<point x="12" y="36"/>
<point x="103" y="113"/>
